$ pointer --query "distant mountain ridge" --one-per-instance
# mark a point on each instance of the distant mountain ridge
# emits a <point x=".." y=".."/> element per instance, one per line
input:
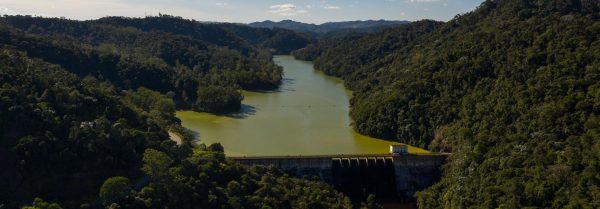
<point x="324" y="28"/>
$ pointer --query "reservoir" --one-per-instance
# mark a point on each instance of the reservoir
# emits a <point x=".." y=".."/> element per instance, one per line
<point x="307" y="115"/>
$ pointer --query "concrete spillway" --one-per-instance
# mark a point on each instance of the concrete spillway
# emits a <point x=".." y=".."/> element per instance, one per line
<point x="360" y="175"/>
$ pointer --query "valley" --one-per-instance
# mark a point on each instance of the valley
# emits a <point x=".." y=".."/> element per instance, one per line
<point x="497" y="103"/>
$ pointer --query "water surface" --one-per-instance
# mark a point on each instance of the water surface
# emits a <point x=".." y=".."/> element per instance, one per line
<point x="308" y="115"/>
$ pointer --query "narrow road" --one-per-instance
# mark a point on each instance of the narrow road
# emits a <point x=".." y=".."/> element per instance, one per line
<point x="175" y="137"/>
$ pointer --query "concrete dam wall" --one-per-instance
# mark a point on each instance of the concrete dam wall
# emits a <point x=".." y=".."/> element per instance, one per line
<point x="387" y="176"/>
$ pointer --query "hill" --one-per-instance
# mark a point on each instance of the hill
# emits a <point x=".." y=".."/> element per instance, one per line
<point x="165" y="54"/>
<point x="510" y="89"/>
<point x="87" y="107"/>
<point x="321" y="29"/>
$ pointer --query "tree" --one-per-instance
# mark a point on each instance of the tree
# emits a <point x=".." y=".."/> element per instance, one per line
<point x="216" y="147"/>
<point x="39" y="203"/>
<point x="151" y="103"/>
<point x="218" y="99"/>
<point x="371" y="203"/>
<point x="114" y="189"/>
<point x="156" y="164"/>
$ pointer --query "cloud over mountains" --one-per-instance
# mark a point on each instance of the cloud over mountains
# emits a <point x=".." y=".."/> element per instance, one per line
<point x="286" y="9"/>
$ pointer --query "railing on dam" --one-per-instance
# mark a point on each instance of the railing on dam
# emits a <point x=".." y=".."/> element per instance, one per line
<point x="359" y="175"/>
<point x="334" y="156"/>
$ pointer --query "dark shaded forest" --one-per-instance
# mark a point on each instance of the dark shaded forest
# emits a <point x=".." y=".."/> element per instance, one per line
<point x="511" y="89"/>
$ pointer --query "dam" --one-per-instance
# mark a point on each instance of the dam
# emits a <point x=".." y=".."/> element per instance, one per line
<point x="385" y="175"/>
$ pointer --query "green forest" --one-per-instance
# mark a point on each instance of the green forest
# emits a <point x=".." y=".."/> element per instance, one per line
<point x="511" y="89"/>
<point x="87" y="107"/>
<point x="167" y="54"/>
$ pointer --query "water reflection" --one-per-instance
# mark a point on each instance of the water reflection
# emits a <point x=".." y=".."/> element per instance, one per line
<point x="245" y="111"/>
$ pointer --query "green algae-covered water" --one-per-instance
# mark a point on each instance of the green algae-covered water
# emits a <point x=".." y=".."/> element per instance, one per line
<point x="308" y="115"/>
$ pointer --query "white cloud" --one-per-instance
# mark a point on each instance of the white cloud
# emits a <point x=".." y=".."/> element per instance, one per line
<point x="4" y="10"/>
<point x="331" y="7"/>
<point x="325" y="5"/>
<point x="286" y="10"/>
<point x="283" y="6"/>
<point x="222" y="4"/>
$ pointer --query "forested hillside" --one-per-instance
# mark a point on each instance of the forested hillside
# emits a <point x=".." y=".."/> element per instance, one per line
<point x="165" y="54"/>
<point x="57" y="127"/>
<point x="510" y="88"/>
<point x="327" y="28"/>
<point x="86" y="108"/>
<point x="325" y="44"/>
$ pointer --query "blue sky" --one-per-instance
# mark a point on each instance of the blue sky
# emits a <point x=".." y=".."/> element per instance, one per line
<point x="244" y="11"/>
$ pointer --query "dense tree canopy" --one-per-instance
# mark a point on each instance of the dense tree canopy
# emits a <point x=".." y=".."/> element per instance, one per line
<point x="57" y="127"/>
<point x="39" y="203"/>
<point x="115" y="188"/>
<point x="326" y="44"/>
<point x="164" y="54"/>
<point x="510" y="89"/>
<point x="360" y="61"/>
<point x="215" y="98"/>
<point x="92" y="139"/>
<point x="86" y="108"/>
<point x="206" y="180"/>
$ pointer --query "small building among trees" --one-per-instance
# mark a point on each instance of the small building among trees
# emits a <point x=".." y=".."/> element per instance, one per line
<point x="400" y="149"/>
